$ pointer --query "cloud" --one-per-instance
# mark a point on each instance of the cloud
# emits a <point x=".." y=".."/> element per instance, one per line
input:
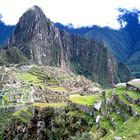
<point x="77" y="12"/>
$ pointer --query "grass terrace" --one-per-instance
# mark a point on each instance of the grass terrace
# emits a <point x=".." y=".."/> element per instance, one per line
<point x="134" y="94"/>
<point x="25" y="76"/>
<point x="128" y="131"/>
<point x="43" y="105"/>
<point x="80" y="114"/>
<point x="118" y="119"/>
<point x="85" y="100"/>
<point x="24" y="115"/>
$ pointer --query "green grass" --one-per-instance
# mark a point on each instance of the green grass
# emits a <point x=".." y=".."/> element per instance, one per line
<point x="118" y="119"/>
<point x="43" y="105"/>
<point x="24" y="115"/>
<point x="80" y="114"/>
<point x="121" y="91"/>
<point x="129" y="131"/>
<point x="105" y="123"/>
<point x="3" y="119"/>
<point x="133" y="94"/>
<point x="25" y="76"/>
<point x="109" y="93"/>
<point x="85" y="100"/>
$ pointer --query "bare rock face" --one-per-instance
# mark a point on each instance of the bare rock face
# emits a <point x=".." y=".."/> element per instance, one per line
<point x="39" y="41"/>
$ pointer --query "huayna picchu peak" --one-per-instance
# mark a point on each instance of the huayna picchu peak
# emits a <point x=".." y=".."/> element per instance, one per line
<point x="37" y="40"/>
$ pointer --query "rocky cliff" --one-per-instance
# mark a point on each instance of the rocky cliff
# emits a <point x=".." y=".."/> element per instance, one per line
<point x="36" y="40"/>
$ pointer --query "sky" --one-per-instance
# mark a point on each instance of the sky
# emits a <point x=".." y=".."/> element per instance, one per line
<point x="77" y="12"/>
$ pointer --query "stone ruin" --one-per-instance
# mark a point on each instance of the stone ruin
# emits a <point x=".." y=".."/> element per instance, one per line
<point x="83" y="108"/>
<point x="6" y="109"/>
<point x="49" y="96"/>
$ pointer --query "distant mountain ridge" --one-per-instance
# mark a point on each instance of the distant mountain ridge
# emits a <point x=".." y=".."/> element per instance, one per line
<point x="72" y="30"/>
<point x="5" y="33"/>
<point x="123" y="43"/>
<point x="36" y="40"/>
<point x="116" y="41"/>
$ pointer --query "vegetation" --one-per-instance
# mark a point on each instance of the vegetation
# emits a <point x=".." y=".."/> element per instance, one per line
<point x="61" y="119"/>
<point x="65" y="125"/>
<point x="26" y="76"/>
<point x="128" y="131"/>
<point x="85" y="100"/>
<point x="24" y="115"/>
<point x="43" y="105"/>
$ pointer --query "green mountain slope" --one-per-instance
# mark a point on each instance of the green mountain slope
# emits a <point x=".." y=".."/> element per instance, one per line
<point x="117" y="41"/>
<point x="134" y="64"/>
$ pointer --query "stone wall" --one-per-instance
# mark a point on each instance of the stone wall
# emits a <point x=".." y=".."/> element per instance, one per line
<point x="83" y="108"/>
<point x="126" y="107"/>
<point x="131" y="87"/>
<point x="50" y="96"/>
<point x="133" y="101"/>
<point x="6" y="109"/>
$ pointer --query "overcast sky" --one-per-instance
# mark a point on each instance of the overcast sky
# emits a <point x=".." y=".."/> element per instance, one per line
<point x="77" y="12"/>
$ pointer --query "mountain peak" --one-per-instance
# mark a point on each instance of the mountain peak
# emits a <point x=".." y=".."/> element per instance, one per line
<point x="35" y="9"/>
<point x="32" y="23"/>
<point x="33" y="13"/>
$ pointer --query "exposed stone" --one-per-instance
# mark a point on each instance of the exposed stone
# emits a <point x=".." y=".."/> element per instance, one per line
<point x="126" y="107"/>
<point x="98" y="105"/>
<point x="133" y="85"/>
<point x="133" y="112"/>
<point x="98" y="119"/>
<point x="117" y="138"/>
<point x="133" y="101"/>
<point x="112" y="121"/>
<point x="83" y="108"/>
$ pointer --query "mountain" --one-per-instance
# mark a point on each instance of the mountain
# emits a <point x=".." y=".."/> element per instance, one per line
<point x="5" y="33"/>
<point x="123" y="43"/>
<point x="37" y="40"/>
<point x="133" y="61"/>
<point x="70" y="28"/>
<point x="116" y="41"/>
